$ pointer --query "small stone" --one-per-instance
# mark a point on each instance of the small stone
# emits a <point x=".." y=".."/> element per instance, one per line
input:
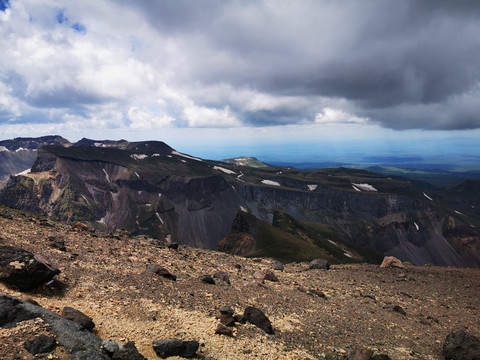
<point x="381" y="357"/>
<point x="128" y="352"/>
<point x="41" y="344"/>
<point x="319" y="264"/>
<point x="258" y="318"/>
<point x="56" y="241"/>
<point x="318" y="293"/>
<point x="161" y="271"/>
<point x="265" y="275"/>
<point x="399" y="309"/>
<point x="207" y="279"/>
<point x="227" y="310"/>
<point x="277" y="265"/>
<point x="167" y="348"/>
<point x="223" y="330"/>
<point x="227" y="319"/>
<point x="222" y="275"/>
<point x="77" y="316"/>
<point x="109" y="346"/>
<point x="238" y="266"/>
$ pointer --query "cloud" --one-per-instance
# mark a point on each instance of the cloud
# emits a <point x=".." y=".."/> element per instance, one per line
<point x="400" y="64"/>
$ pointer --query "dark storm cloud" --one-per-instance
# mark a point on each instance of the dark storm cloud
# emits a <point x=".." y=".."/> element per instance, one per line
<point x="402" y="63"/>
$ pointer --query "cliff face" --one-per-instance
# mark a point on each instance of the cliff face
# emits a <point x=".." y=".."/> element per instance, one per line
<point x="149" y="188"/>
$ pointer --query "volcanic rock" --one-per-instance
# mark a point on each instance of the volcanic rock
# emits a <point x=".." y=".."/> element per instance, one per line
<point x="222" y="275"/>
<point x="21" y="268"/>
<point x="258" y="318"/>
<point x="207" y="279"/>
<point x="167" y="348"/>
<point x="223" y="330"/>
<point x="391" y="262"/>
<point x="161" y="271"/>
<point x="128" y="352"/>
<point x="319" y="264"/>
<point x="461" y="346"/>
<point x="56" y="241"/>
<point x="40" y="344"/>
<point x="80" y="318"/>
<point x="361" y="354"/>
<point x="277" y="265"/>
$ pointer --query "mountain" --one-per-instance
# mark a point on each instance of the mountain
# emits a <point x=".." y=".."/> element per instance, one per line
<point x="18" y="155"/>
<point x="150" y="188"/>
<point x="245" y="161"/>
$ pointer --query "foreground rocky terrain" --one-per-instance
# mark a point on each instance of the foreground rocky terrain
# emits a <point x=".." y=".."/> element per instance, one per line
<point x="315" y="314"/>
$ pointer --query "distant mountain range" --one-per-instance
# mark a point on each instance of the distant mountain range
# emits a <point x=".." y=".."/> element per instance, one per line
<point x="341" y="214"/>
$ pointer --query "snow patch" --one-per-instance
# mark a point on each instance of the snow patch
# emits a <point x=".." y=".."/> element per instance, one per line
<point x="332" y="242"/>
<point x="183" y="161"/>
<point x="24" y="172"/>
<point x="185" y="156"/>
<point x="138" y="156"/>
<point x="365" y="187"/>
<point x="97" y="144"/>
<point x="428" y="197"/>
<point x="226" y="171"/>
<point x="169" y="238"/>
<point x="356" y="189"/>
<point x="20" y="149"/>
<point x="457" y="212"/>
<point x="347" y="255"/>
<point x="3" y="148"/>
<point x="84" y="198"/>
<point x="312" y="187"/>
<point x="270" y="182"/>
<point x="159" y="218"/>
<point x="137" y="174"/>
<point x="106" y="175"/>
<point x="416" y="225"/>
<point x="243" y="208"/>
<point x="170" y="156"/>
<point x="155" y="155"/>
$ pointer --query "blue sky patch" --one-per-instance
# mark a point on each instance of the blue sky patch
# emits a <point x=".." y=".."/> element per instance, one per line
<point x="60" y="16"/>
<point x="80" y="28"/>
<point x="4" y="4"/>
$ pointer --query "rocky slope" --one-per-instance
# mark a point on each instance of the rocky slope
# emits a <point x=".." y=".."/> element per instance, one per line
<point x="315" y="314"/>
<point x="150" y="188"/>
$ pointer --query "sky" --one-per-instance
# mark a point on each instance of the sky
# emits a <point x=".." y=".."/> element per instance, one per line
<point x="296" y="78"/>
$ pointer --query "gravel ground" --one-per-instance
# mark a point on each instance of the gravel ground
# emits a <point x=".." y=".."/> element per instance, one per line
<point x="105" y="277"/>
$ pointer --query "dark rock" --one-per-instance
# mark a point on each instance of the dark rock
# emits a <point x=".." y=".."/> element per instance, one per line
<point x="21" y="268"/>
<point x="80" y="318"/>
<point x="78" y="343"/>
<point x="381" y="357"/>
<point x="238" y="266"/>
<point x="265" y="275"/>
<point x="227" y="320"/>
<point x="207" y="279"/>
<point x="31" y="301"/>
<point x="173" y="246"/>
<point x="277" y="265"/>
<point x="161" y="271"/>
<point x="128" y="352"/>
<point x="399" y="309"/>
<point x="361" y="354"/>
<point x="319" y="264"/>
<point x="318" y="293"/>
<point x="167" y="348"/>
<point x="461" y="346"/>
<point x="368" y="296"/>
<point x="47" y="223"/>
<point x="222" y="275"/>
<point x="227" y="310"/>
<point x="258" y="318"/>
<point x="223" y="330"/>
<point x="56" y="241"/>
<point x="40" y="344"/>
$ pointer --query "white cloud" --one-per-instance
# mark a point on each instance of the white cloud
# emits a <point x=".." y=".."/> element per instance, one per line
<point x="201" y="116"/>
<point x="337" y="116"/>
<point x="145" y="119"/>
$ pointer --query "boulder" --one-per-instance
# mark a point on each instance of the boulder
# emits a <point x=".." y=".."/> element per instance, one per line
<point x="461" y="346"/>
<point x="161" y="271"/>
<point x="173" y="246"/>
<point x="80" y="318"/>
<point x="265" y="275"/>
<point x="226" y="316"/>
<point x="391" y="262"/>
<point x="167" y="348"/>
<point x="78" y="343"/>
<point x="23" y="269"/>
<point x="40" y="344"/>
<point x="222" y="275"/>
<point x="110" y="347"/>
<point x="319" y="264"/>
<point x="277" y="265"/>
<point x="258" y="318"/>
